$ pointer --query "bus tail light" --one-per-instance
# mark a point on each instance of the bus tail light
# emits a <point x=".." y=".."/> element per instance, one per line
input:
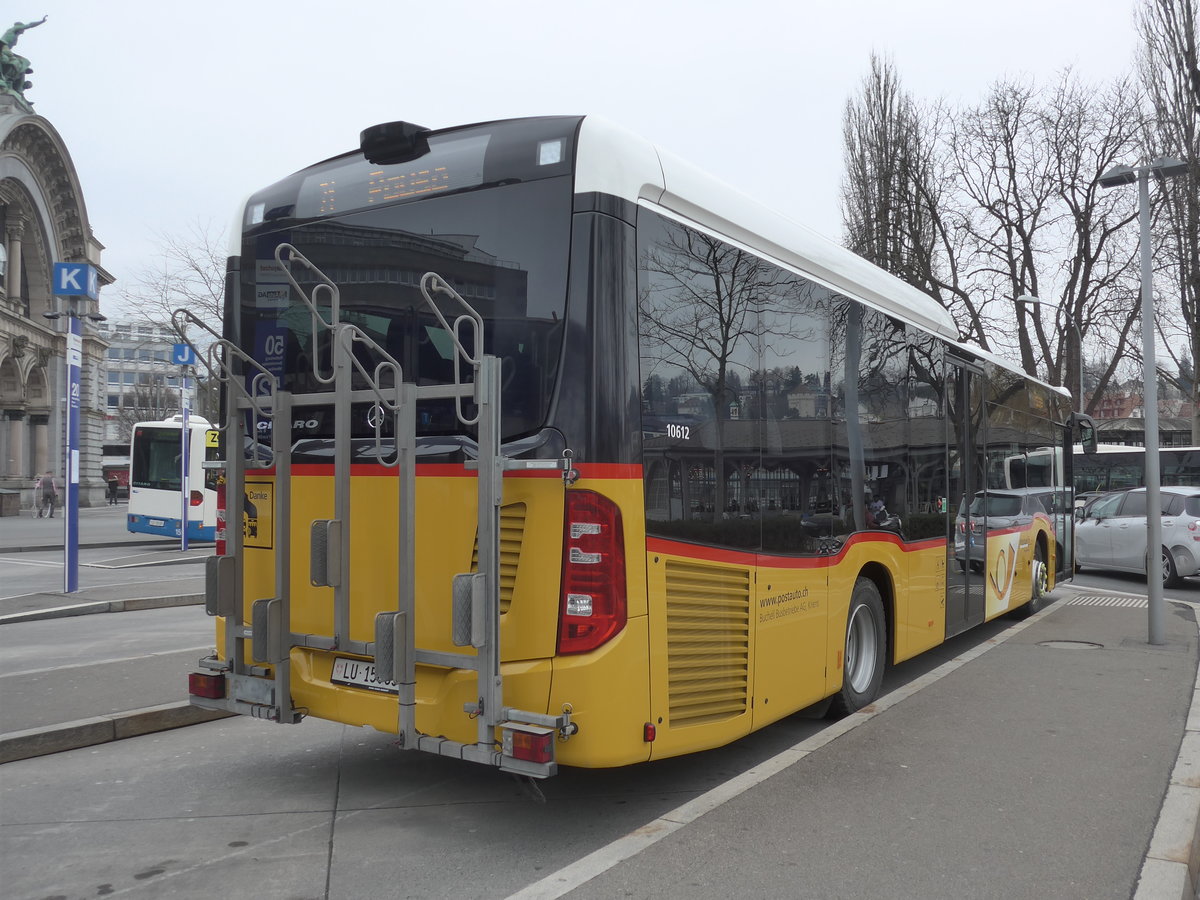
<point x="208" y="685"/>
<point x="593" y="606"/>
<point x="531" y="743"/>
<point x="220" y="531"/>
<point x="196" y="498"/>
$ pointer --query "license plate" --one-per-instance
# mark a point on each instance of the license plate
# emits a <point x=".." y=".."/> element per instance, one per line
<point x="157" y="523"/>
<point x="359" y="673"/>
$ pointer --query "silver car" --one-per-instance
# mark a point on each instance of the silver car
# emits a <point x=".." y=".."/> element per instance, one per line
<point x="1111" y="533"/>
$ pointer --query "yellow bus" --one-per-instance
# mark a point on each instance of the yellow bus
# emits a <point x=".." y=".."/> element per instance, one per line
<point x="542" y="447"/>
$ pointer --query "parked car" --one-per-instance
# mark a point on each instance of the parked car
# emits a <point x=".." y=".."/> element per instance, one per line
<point x="1110" y="533"/>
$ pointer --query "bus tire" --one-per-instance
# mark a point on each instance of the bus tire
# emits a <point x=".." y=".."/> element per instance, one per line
<point x="865" y="651"/>
<point x="1039" y="582"/>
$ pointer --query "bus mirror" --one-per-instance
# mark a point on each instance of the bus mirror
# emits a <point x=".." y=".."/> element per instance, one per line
<point x="1085" y="428"/>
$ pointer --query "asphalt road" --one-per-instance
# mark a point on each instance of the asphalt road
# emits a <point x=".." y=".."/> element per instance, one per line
<point x="63" y="670"/>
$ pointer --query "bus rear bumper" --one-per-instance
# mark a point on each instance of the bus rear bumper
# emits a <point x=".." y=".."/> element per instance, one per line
<point x="168" y="527"/>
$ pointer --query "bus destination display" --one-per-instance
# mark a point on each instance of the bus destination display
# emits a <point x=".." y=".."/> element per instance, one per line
<point x="450" y="165"/>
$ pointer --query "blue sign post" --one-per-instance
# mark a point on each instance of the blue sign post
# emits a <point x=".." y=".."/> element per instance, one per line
<point x="181" y="355"/>
<point x="71" y="507"/>
<point x="73" y="280"/>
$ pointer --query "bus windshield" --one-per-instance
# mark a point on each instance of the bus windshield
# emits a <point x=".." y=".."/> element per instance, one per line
<point x="502" y="245"/>
<point x="155" y="462"/>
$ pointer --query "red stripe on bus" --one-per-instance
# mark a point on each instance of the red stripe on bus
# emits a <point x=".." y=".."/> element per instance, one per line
<point x="751" y="558"/>
<point x="610" y="471"/>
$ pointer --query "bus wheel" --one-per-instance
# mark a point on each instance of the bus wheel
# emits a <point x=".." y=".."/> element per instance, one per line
<point x="866" y="650"/>
<point x="1040" y="578"/>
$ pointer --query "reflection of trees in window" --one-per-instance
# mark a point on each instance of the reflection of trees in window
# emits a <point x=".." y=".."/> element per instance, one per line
<point x="870" y="391"/>
<point x="927" y="403"/>
<point x="701" y="304"/>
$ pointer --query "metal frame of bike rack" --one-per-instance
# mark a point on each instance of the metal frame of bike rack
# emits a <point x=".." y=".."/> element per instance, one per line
<point x="265" y="692"/>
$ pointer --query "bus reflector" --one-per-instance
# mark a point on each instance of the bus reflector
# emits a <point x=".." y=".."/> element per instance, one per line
<point x="593" y="607"/>
<point x="204" y="684"/>
<point x="649" y="732"/>
<point x="531" y="743"/>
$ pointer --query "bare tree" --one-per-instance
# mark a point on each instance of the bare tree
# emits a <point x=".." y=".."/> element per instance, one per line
<point x="146" y="403"/>
<point x="1018" y="212"/>
<point x="1169" y="64"/>
<point x="1001" y="176"/>
<point x="884" y="215"/>
<point x="1089" y="129"/>
<point x="189" y="272"/>
<point x="895" y="180"/>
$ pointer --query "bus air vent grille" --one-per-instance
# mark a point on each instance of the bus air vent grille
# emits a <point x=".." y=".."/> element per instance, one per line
<point x="512" y="532"/>
<point x="708" y="642"/>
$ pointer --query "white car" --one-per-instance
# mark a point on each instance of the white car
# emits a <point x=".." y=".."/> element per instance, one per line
<point x="1111" y="533"/>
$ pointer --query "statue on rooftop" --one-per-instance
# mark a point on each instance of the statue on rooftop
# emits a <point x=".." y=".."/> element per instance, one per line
<point x="13" y="66"/>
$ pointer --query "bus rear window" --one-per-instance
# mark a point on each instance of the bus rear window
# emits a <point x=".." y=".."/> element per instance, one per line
<point x="503" y="249"/>
<point x="155" y="462"/>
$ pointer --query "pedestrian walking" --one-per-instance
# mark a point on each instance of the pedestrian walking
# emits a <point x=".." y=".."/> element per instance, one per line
<point x="46" y="492"/>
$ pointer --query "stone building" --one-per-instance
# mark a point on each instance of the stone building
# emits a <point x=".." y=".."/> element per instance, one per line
<point x="43" y="220"/>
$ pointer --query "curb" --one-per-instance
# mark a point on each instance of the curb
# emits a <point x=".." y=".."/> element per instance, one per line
<point x="99" y="730"/>
<point x="102" y="606"/>
<point x="98" y="545"/>
<point x="1172" y="863"/>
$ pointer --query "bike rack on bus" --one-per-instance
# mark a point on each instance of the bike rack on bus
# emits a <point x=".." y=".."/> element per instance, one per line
<point x="475" y="595"/>
<point x="251" y="395"/>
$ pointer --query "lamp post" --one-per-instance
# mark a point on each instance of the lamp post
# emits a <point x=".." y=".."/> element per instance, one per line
<point x="74" y="365"/>
<point x="1162" y="169"/>
<point x="1030" y="300"/>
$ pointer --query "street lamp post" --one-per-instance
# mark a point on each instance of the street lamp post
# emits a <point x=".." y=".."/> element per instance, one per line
<point x="1162" y="168"/>
<point x="1029" y="299"/>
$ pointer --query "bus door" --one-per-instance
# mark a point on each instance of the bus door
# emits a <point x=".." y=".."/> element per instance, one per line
<point x="966" y="546"/>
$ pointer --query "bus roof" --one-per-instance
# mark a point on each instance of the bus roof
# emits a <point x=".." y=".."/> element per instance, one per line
<point x="614" y="161"/>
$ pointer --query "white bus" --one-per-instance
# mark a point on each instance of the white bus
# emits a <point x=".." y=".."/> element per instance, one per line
<point x="156" y="479"/>
<point x="1117" y="467"/>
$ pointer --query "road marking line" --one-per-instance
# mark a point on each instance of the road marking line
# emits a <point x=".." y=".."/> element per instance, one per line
<point x="100" y="662"/>
<point x="30" y="562"/>
<point x="81" y="592"/>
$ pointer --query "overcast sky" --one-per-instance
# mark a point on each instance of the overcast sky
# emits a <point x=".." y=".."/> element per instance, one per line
<point x="173" y="113"/>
